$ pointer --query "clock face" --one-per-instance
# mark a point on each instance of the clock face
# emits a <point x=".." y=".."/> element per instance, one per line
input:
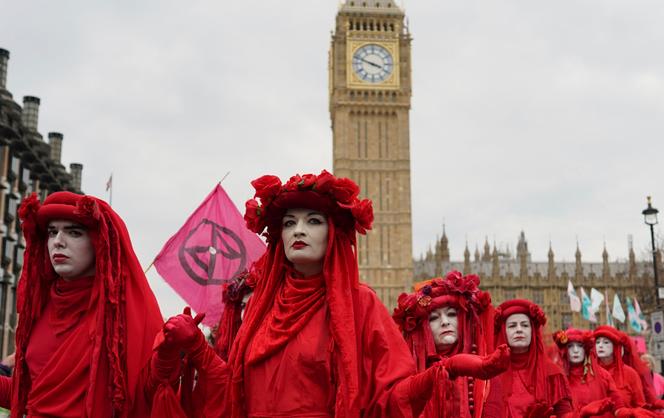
<point x="373" y="63"/>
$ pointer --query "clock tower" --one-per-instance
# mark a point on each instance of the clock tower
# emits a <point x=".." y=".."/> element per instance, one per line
<point x="370" y="90"/>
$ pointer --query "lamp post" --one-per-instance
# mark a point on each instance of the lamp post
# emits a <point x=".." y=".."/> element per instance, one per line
<point x="650" y="218"/>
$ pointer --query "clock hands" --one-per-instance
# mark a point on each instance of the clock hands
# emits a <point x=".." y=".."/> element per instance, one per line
<point x="373" y="64"/>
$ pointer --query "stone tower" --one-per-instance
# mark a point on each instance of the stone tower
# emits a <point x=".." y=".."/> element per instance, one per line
<point x="370" y="93"/>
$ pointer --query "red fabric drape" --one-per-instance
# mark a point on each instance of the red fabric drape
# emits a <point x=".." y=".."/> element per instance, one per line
<point x="111" y="343"/>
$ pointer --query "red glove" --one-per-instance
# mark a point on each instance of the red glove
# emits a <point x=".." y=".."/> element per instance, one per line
<point x="597" y="407"/>
<point x="657" y="404"/>
<point x="480" y="367"/>
<point x="539" y="410"/>
<point x="182" y="332"/>
<point x="634" y="413"/>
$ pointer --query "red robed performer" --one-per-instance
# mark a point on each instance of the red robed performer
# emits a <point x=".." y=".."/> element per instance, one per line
<point x="314" y="341"/>
<point x="87" y="317"/>
<point x="443" y="318"/>
<point x="210" y="250"/>
<point x="632" y="358"/>
<point x="533" y="386"/>
<point x="593" y="390"/>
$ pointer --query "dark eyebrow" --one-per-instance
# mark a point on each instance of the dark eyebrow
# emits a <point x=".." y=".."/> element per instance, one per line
<point x="315" y="213"/>
<point x="75" y="227"/>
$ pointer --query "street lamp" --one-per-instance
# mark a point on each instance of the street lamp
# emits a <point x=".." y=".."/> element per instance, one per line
<point x="650" y="218"/>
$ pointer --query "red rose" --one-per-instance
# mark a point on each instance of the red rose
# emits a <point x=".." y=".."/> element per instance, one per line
<point x="307" y="181"/>
<point x="483" y="300"/>
<point x="324" y="182"/>
<point x="537" y="315"/>
<point x="29" y="207"/>
<point x="252" y="216"/>
<point x="293" y="183"/>
<point x="363" y="214"/>
<point x="267" y="187"/>
<point x="88" y="208"/>
<point x="345" y="190"/>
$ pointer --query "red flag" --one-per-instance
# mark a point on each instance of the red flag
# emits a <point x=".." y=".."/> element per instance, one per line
<point x="210" y="249"/>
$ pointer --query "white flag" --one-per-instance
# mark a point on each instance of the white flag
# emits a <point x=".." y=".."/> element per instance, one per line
<point x="618" y="312"/>
<point x="574" y="301"/>
<point x="596" y="299"/>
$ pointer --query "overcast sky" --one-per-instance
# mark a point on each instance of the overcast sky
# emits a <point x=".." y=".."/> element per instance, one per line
<point x="546" y="117"/>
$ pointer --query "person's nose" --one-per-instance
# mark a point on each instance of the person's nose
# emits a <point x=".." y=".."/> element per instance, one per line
<point x="58" y="240"/>
<point x="299" y="229"/>
<point x="444" y="320"/>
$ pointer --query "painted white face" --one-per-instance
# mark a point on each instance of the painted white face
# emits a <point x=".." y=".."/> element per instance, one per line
<point x="304" y="234"/>
<point x="70" y="249"/>
<point x="519" y="332"/>
<point x="604" y="348"/>
<point x="575" y="353"/>
<point x="444" y="324"/>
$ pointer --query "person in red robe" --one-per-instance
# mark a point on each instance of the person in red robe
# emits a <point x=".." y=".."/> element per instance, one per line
<point x="632" y="358"/>
<point x="443" y="318"/>
<point x="87" y="317"/>
<point x="235" y="296"/>
<point x="314" y="342"/>
<point x="593" y="390"/>
<point x="608" y="346"/>
<point x="533" y="386"/>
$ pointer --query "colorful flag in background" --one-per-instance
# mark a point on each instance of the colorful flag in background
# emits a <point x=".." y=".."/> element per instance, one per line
<point x="586" y="307"/>
<point x="618" y="312"/>
<point x="609" y="320"/>
<point x="639" y="315"/>
<point x="574" y="301"/>
<point x="596" y="299"/>
<point x="633" y="317"/>
<point x="212" y="247"/>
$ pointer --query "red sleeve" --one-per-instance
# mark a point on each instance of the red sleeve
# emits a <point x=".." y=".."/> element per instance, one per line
<point x="633" y="382"/>
<point x="493" y="408"/>
<point x="213" y="377"/>
<point x="387" y="365"/>
<point x="5" y="392"/>
<point x="560" y="395"/>
<point x="611" y="389"/>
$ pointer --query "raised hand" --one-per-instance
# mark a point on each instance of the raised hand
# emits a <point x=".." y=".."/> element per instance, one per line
<point x="479" y="367"/>
<point x="181" y="331"/>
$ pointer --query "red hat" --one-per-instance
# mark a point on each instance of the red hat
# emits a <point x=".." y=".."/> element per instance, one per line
<point x="514" y="306"/>
<point x="336" y="197"/>
<point x="71" y="206"/>
<point x="571" y="335"/>
<point x="609" y="332"/>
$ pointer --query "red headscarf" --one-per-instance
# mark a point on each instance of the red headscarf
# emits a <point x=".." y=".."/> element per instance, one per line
<point x="475" y="316"/>
<point x="563" y="338"/>
<point x="338" y="199"/>
<point x="474" y="331"/>
<point x="123" y="314"/>
<point x="616" y="338"/>
<point x="537" y="365"/>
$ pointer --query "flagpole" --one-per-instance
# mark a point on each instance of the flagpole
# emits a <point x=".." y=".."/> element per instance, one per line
<point x="224" y="178"/>
<point x="149" y="267"/>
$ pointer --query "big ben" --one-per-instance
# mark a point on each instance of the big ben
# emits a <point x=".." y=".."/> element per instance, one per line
<point x="370" y="93"/>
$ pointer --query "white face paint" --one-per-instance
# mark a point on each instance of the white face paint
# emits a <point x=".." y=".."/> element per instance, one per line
<point x="575" y="353"/>
<point x="604" y="348"/>
<point x="444" y="324"/>
<point x="519" y="332"/>
<point x="304" y="234"/>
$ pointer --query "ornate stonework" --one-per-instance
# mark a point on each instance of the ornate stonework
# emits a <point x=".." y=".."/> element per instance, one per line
<point x="370" y="93"/>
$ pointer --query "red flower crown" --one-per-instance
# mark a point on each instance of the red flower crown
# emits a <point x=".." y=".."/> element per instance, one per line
<point x="530" y="309"/>
<point x="412" y="308"/>
<point x="339" y="194"/>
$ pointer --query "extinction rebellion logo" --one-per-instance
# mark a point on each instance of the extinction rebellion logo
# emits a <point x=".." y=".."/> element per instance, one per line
<point x="209" y="250"/>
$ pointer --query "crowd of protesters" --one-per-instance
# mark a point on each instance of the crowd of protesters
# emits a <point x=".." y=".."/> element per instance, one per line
<point x="300" y="335"/>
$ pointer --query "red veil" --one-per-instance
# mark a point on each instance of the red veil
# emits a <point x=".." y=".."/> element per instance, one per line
<point x="337" y="198"/>
<point x="122" y="316"/>
<point x="475" y="333"/>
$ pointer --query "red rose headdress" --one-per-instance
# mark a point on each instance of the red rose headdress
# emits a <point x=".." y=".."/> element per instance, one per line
<point x="336" y="197"/>
<point x="455" y="289"/>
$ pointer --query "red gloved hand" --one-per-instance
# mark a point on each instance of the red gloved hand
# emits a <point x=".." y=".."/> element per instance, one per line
<point x="480" y="367"/>
<point x="634" y="413"/>
<point x="182" y="332"/>
<point x="658" y="404"/>
<point x="539" y="410"/>
<point x="597" y="407"/>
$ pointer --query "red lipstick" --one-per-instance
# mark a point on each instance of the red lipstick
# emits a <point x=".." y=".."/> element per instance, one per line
<point x="299" y="245"/>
